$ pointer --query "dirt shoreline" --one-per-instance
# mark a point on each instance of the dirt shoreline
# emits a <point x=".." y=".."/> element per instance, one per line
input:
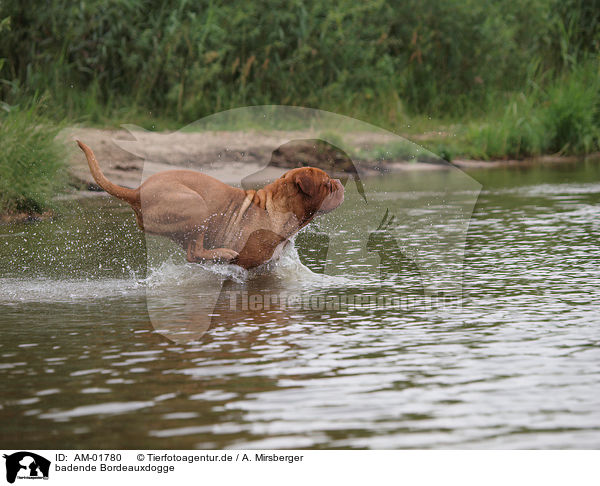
<point x="226" y="155"/>
<point x="229" y="156"/>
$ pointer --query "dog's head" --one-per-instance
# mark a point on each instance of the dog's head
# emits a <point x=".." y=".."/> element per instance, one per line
<point x="307" y="192"/>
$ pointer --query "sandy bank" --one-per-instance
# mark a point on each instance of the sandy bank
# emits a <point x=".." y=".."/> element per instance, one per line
<point x="227" y="154"/>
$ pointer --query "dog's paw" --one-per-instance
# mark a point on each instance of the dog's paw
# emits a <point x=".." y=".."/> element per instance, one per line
<point x="225" y="254"/>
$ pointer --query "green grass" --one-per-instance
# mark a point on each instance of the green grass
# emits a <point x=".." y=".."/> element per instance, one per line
<point x="482" y="79"/>
<point x="158" y="62"/>
<point x="560" y="118"/>
<point x="32" y="161"/>
<point x="571" y="112"/>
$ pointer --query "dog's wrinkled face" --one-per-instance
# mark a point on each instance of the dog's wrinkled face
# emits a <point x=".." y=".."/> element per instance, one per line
<point x="309" y="192"/>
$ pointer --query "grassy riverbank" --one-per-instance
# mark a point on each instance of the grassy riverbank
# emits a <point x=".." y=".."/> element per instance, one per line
<point x="32" y="162"/>
<point x="560" y="116"/>
<point x="464" y="78"/>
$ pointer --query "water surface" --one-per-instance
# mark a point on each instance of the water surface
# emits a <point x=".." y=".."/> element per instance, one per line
<point x="514" y="364"/>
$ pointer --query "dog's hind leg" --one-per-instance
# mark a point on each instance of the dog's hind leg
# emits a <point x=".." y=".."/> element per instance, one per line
<point x="197" y="253"/>
<point x="182" y="215"/>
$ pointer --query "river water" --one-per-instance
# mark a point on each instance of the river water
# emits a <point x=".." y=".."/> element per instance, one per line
<point x="101" y="350"/>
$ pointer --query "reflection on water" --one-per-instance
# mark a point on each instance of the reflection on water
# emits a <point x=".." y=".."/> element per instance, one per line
<point x="517" y="366"/>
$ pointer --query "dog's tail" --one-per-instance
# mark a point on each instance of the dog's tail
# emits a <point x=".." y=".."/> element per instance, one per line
<point x="132" y="196"/>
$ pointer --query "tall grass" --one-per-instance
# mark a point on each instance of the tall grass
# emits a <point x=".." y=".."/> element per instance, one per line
<point x="521" y="76"/>
<point x="32" y="162"/>
<point x="562" y="117"/>
<point x="571" y="111"/>
<point x="383" y="61"/>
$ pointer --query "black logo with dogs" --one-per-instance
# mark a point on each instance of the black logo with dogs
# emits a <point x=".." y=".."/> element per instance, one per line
<point x="26" y="465"/>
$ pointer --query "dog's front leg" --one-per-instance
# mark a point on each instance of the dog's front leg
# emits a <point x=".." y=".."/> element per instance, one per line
<point x="197" y="253"/>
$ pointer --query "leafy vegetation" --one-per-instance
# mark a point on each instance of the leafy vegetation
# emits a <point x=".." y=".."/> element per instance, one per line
<point x="32" y="162"/>
<point x="377" y="60"/>
<point x="562" y="117"/>
<point x="512" y="79"/>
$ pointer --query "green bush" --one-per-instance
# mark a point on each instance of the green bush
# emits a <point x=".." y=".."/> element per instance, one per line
<point x="572" y="112"/>
<point x="377" y="60"/>
<point x="32" y="162"/>
<point x="563" y="117"/>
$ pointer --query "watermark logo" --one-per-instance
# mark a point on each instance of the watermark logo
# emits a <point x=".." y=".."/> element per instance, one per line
<point x="26" y="465"/>
<point x="396" y="242"/>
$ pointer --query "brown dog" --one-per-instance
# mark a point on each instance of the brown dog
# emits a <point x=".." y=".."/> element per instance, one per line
<point x="214" y="221"/>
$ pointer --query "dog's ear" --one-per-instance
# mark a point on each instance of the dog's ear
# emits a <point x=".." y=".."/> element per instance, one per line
<point x="306" y="182"/>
